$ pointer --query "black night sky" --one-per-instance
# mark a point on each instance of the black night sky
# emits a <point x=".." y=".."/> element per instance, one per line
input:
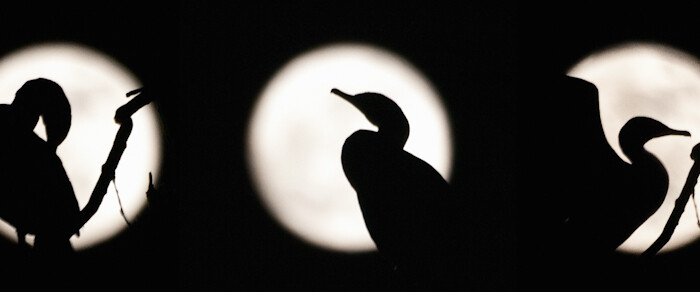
<point x="209" y="61"/>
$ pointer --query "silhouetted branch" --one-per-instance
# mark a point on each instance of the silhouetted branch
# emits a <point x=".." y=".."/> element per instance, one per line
<point x="108" y="169"/>
<point x="679" y="207"/>
<point x="140" y="100"/>
<point x="122" y="116"/>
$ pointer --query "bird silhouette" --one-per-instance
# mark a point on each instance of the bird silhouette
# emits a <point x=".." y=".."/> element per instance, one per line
<point x="599" y="199"/>
<point x="36" y="196"/>
<point x="408" y="207"/>
<point x="578" y="200"/>
<point x="627" y="194"/>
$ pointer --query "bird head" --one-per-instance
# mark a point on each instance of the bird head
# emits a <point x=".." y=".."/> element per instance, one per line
<point x="639" y="130"/>
<point x="382" y="112"/>
<point x="45" y="98"/>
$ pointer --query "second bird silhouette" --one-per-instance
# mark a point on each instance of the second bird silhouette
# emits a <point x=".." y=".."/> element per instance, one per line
<point x="628" y="194"/>
<point x="605" y="199"/>
<point x="408" y="207"/>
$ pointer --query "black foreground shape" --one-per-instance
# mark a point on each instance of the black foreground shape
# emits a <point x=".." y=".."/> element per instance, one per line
<point x="409" y="209"/>
<point x="36" y="196"/>
<point x="622" y="196"/>
<point x="606" y="198"/>
<point x="582" y="199"/>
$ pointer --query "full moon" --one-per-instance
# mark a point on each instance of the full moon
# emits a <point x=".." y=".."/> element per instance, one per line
<point x="657" y="81"/>
<point x="297" y="130"/>
<point x="95" y="85"/>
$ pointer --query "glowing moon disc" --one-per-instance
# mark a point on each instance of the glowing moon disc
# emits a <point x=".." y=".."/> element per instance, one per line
<point x="95" y="85"/>
<point x="298" y="128"/>
<point x="642" y="79"/>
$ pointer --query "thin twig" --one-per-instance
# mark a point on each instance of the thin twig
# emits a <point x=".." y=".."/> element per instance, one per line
<point x="119" y="199"/>
<point x="108" y="169"/>
<point x="123" y="117"/>
<point x="695" y="204"/>
<point x="681" y="202"/>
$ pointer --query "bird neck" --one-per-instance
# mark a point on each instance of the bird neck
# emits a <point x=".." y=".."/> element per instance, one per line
<point x="636" y="152"/>
<point x="396" y="133"/>
<point x="24" y="118"/>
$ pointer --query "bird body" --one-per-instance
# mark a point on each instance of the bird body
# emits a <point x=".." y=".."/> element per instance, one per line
<point x="624" y="195"/>
<point x="578" y="200"/>
<point x="36" y="196"/>
<point x="597" y="198"/>
<point x="401" y="196"/>
<point x="408" y="207"/>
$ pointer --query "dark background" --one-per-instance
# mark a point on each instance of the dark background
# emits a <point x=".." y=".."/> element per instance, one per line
<point x="209" y="61"/>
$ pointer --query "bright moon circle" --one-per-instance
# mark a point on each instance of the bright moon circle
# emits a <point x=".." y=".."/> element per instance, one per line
<point x="95" y="85"/>
<point x="657" y="81"/>
<point x="297" y="130"/>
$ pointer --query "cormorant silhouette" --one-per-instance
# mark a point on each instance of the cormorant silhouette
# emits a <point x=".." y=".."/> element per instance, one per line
<point x="627" y="194"/>
<point x="578" y="199"/>
<point x="594" y="199"/>
<point x="408" y="207"/>
<point x="36" y="196"/>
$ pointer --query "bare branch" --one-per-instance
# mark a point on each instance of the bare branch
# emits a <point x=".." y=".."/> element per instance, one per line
<point x="681" y="202"/>
<point x="123" y="117"/>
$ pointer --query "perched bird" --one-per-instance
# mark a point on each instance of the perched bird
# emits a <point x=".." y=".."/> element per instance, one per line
<point x="408" y="207"/>
<point x="623" y="196"/>
<point x="587" y="198"/>
<point x="36" y="196"/>
<point x="578" y="200"/>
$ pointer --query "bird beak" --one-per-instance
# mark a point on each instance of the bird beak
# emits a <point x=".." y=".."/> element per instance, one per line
<point x="678" y="132"/>
<point x="342" y="94"/>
